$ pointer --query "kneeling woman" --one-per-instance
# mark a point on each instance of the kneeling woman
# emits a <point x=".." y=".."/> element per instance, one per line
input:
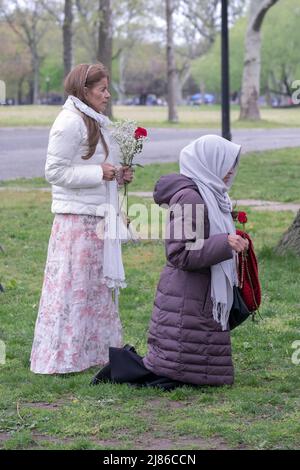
<point x="189" y="337"/>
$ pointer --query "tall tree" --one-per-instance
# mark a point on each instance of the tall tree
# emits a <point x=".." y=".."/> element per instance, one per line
<point x="128" y="16"/>
<point x="63" y="15"/>
<point x="291" y="239"/>
<point x="87" y="28"/>
<point x="105" y="39"/>
<point x="68" y="36"/>
<point x="171" y="65"/>
<point x="252" y="63"/>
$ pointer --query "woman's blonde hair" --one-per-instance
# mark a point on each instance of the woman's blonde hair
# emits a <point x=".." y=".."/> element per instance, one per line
<point x="86" y="75"/>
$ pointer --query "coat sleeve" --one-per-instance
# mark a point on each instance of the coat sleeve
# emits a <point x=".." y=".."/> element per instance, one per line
<point x="212" y="250"/>
<point x="65" y="138"/>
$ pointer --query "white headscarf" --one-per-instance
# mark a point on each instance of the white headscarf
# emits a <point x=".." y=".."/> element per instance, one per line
<point x="207" y="161"/>
<point x="113" y="270"/>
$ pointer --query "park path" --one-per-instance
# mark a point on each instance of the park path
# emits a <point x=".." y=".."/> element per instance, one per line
<point x="257" y="204"/>
<point x="23" y="150"/>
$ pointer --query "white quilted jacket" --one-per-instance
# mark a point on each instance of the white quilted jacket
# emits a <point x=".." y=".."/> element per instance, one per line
<point x="77" y="185"/>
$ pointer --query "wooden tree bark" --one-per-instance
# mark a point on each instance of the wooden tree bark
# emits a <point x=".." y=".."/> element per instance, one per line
<point x="36" y="74"/>
<point x="68" y="37"/>
<point x="171" y="65"/>
<point x="252" y="61"/>
<point x="105" y="42"/>
<point x="291" y="239"/>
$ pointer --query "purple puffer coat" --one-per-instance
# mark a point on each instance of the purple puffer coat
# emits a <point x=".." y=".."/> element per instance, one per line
<point x="185" y="343"/>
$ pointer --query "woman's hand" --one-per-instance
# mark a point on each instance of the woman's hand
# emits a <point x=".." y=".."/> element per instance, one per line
<point x="109" y="171"/>
<point x="127" y="174"/>
<point x="238" y="243"/>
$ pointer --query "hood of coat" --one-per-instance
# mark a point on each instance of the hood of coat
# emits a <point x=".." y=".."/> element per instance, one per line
<point x="168" y="185"/>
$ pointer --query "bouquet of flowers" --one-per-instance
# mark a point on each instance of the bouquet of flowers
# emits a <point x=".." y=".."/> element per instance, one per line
<point x="130" y="139"/>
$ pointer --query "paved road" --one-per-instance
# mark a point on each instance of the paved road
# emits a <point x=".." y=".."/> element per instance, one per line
<point x="23" y="150"/>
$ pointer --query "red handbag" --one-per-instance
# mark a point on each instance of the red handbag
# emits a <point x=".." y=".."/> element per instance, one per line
<point x="249" y="284"/>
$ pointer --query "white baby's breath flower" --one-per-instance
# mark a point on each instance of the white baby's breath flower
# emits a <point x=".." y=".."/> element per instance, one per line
<point x="123" y="132"/>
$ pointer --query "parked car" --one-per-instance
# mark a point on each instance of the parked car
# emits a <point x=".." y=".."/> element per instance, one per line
<point x="135" y="101"/>
<point x="199" y="98"/>
<point x="145" y="100"/>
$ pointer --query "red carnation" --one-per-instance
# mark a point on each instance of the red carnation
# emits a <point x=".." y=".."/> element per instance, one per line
<point x="140" y="132"/>
<point x="242" y="217"/>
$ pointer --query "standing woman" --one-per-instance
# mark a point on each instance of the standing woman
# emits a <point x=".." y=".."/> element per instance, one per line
<point x="77" y="320"/>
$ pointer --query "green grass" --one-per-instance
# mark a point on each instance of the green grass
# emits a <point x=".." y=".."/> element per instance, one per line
<point x="273" y="175"/>
<point x="25" y="183"/>
<point x="261" y="411"/>
<point x="151" y="116"/>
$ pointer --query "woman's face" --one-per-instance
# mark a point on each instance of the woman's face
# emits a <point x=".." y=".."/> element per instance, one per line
<point x="98" y="95"/>
<point x="228" y="176"/>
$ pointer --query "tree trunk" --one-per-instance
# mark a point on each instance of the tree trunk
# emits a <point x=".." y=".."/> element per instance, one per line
<point x="291" y="239"/>
<point x="181" y="79"/>
<point x="36" y="78"/>
<point x="20" y="91"/>
<point x="68" y="37"/>
<point x="178" y="91"/>
<point x="252" y="61"/>
<point x="172" y="78"/>
<point x="120" y="88"/>
<point x="29" y="96"/>
<point x="105" y="42"/>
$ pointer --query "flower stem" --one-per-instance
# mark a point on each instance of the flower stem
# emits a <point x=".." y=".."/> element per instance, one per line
<point x="126" y="197"/>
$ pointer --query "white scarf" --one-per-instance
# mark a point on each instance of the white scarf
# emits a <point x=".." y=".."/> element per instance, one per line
<point x="207" y="161"/>
<point x="113" y="269"/>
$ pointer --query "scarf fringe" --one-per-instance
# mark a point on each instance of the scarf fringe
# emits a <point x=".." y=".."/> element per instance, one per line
<point x="113" y="283"/>
<point x="220" y="313"/>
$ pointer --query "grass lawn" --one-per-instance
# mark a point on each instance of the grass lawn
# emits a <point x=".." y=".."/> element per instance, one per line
<point x="261" y="410"/>
<point x="273" y="175"/>
<point x="189" y="116"/>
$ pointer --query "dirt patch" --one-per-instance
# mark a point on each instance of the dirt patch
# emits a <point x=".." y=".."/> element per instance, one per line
<point x="167" y="403"/>
<point x="145" y="442"/>
<point x="70" y="440"/>
<point x="148" y="442"/>
<point x="164" y="404"/>
<point x="38" y="438"/>
<point x="4" y="436"/>
<point x="45" y="405"/>
<point x="155" y="439"/>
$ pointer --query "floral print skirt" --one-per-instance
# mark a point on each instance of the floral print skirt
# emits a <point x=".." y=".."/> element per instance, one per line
<point x="77" y="320"/>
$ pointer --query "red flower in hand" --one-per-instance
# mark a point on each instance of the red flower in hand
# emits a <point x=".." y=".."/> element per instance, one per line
<point x="242" y="217"/>
<point x="140" y="132"/>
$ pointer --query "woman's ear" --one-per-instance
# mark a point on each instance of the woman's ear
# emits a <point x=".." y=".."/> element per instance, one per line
<point x="85" y="91"/>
